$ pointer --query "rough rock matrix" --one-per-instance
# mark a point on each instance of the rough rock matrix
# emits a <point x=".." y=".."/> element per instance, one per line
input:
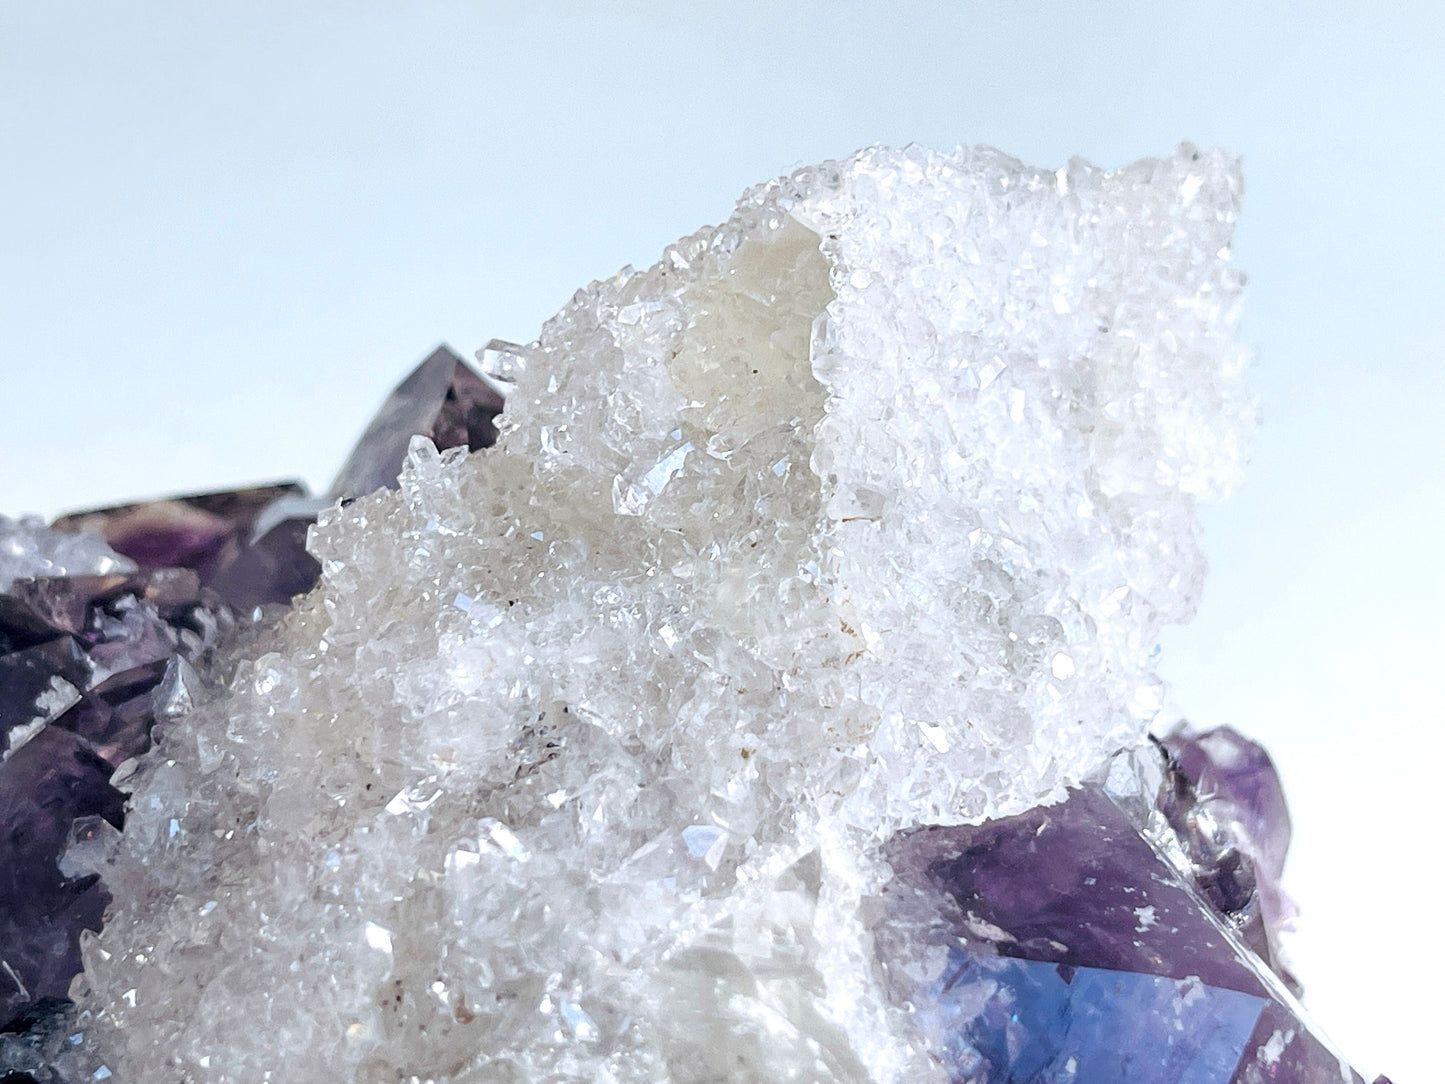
<point x="860" y="513"/>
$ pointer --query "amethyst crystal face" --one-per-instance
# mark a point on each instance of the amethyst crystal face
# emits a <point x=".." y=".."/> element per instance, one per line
<point x="202" y="532"/>
<point x="232" y="540"/>
<point x="1091" y="942"/>
<point x="1226" y="807"/>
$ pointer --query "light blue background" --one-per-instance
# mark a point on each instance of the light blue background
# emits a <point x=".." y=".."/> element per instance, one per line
<point x="225" y="230"/>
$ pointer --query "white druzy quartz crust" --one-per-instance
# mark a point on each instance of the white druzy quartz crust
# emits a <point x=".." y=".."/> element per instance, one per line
<point x="862" y="511"/>
<point x="31" y="550"/>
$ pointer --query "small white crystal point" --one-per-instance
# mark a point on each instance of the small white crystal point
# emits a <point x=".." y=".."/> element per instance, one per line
<point x="502" y="364"/>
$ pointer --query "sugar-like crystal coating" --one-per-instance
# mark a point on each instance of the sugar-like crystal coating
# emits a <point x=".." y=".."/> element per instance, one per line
<point x="860" y="512"/>
<point x="29" y="549"/>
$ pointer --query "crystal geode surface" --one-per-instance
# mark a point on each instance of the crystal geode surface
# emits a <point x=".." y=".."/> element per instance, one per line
<point x="855" y="519"/>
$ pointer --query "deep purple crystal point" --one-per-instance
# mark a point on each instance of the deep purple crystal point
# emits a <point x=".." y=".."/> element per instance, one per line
<point x="249" y="545"/>
<point x="1061" y="944"/>
<point x="1226" y="805"/>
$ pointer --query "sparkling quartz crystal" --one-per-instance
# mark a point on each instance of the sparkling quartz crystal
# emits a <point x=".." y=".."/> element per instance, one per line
<point x="91" y="657"/>
<point x="28" y="548"/>
<point x="860" y="513"/>
<point x="249" y="545"/>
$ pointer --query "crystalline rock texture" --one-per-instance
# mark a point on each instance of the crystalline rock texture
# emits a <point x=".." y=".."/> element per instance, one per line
<point x="113" y="620"/>
<point x="589" y="757"/>
<point x="29" y="549"/>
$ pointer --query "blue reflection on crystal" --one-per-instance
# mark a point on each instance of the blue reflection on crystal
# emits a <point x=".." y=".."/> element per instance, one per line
<point x="1009" y="1021"/>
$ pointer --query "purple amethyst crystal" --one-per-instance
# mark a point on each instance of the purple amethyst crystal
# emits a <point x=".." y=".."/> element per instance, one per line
<point x="249" y="545"/>
<point x="85" y="663"/>
<point x="1228" y="769"/>
<point x="203" y="532"/>
<point x="1065" y="944"/>
<point x="224" y="537"/>
<point x="88" y="662"/>
<point x="442" y="399"/>
<point x="37" y="680"/>
<point x="274" y="566"/>
<point x="45" y="785"/>
<point x="1226" y="805"/>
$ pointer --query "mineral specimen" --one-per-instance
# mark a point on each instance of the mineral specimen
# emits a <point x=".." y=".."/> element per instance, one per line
<point x="646" y="746"/>
<point x="89" y="657"/>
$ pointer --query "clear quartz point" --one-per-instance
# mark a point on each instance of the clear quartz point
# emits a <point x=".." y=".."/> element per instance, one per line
<point x="501" y="364"/>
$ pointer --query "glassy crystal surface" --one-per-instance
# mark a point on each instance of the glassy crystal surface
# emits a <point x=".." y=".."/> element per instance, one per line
<point x="91" y="656"/>
<point x="1063" y="944"/>
<point x="28" y="548"/>
<point x="224" y="537"/>
<point x="249" y="545"/>
<point x="1225" y="807"/>
<point x="201" y="532"/>
<point x="87" y="665"/>
<point x="860" y="513"/>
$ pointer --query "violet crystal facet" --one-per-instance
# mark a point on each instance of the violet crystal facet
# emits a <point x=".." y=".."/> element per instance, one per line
<point x="1227" y="809"/>
<point x="1078" y="942"/>
<point x="443" y="400"/>
<point x="249" y="545"/>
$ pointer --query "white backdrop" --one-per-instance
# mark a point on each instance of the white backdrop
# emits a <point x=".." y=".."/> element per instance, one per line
<point x="225" y="233"/>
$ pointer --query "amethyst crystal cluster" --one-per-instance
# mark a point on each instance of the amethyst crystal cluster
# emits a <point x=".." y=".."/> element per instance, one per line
<point x="101" y="641"/>
<point x="772" y="703"/>
<point x="89" y="665"/>
<point x="249" y="545"/>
